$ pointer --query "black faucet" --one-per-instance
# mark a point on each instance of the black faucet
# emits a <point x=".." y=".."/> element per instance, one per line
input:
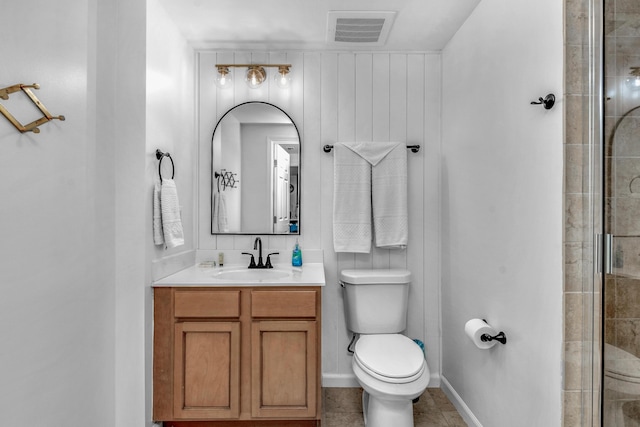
<point x="257" y="244"/>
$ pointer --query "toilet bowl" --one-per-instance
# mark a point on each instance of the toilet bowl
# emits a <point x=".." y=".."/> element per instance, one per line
<point x="393" y="372"/>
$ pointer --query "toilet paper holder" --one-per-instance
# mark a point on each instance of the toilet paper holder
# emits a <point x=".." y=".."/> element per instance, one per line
<point x="500" y="337"/>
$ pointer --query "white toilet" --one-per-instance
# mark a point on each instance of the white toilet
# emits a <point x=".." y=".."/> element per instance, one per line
<point x="390" y="367"/>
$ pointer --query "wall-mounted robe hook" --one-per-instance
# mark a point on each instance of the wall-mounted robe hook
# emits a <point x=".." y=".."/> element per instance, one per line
<point x="26" y="89"/>
<point x="548" y="101"/>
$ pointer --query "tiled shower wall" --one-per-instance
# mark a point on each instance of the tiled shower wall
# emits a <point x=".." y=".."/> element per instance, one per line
<point x="580" y="296"/>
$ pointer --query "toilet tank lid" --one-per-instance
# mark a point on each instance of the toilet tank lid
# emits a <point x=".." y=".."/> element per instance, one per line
<point x="379" y="276"/>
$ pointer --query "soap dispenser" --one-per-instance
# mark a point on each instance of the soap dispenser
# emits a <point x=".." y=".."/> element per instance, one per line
<point x="296" y="257"/>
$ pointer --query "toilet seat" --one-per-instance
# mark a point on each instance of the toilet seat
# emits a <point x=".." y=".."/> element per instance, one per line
<point x="391" y="358"/>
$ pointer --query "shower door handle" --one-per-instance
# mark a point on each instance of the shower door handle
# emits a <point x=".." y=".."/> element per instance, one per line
<point x="604" y="255"/>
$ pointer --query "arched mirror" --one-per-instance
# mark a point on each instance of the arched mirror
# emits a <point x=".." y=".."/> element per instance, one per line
<point x="255" y="172"/>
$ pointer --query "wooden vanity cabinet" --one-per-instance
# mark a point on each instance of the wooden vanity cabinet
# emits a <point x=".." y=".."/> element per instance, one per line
<point x="244" y="356"/>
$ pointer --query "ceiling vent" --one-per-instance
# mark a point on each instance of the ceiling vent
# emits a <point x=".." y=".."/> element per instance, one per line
<point x="362" y="28"/>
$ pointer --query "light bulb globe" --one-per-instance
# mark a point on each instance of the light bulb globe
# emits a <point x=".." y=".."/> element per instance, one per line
<point x="255" y="76"/>
<point x="282" y="78"/>
<point x="224" y="79"/>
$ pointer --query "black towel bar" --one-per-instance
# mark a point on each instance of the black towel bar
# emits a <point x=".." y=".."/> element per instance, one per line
<point x="414" y="148"/>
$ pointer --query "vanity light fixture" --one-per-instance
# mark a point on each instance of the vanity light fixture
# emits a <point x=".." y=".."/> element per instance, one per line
<point x="256" y="74"/>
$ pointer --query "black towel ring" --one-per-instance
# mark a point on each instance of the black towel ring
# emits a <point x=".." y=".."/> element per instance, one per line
<point x="160" y="155"/>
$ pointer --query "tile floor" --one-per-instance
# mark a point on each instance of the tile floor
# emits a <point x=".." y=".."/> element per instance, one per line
<point x="342" y="407"/>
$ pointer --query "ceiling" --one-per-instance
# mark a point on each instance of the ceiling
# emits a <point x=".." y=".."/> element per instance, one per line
<point x="420" y="25"/>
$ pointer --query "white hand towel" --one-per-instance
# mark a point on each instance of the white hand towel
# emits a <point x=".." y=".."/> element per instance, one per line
<point x="390" y="201"/>
<point x="219" y="223"/>
<point x="171" y="222"/>
<point x="351" y="201"/>
<point x="223" y="223"/>
<point x="158" y="237"/>
<point x="215" y="220"/>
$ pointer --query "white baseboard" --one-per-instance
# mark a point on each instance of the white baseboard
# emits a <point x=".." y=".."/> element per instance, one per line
<point x="457" y="401"/>
<point x="434" y="382"/>
<point x="339" y="381"/>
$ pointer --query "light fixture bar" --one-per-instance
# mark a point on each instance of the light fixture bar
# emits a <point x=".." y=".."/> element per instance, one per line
<point x="255" y="76"/>
<point x="253" y="65"/>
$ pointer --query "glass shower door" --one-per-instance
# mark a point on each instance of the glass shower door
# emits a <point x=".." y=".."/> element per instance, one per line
<point x="621" y="356"/>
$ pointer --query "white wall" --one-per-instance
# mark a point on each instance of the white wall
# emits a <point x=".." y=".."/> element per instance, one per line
<point x="70" y="227"/>
<point x="502" y="211"/>
<point x="170" y="124"/>
<point x="395" y="97"/>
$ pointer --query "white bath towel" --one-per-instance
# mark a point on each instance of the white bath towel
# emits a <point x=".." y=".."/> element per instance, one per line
<point x="388" y="162"/>
<point x="170" y="207"/>
<point x="158" y="237"/>
<point x="351" y="201"/>
<point x="390" y="201"/>
<point x="219" y="223"/>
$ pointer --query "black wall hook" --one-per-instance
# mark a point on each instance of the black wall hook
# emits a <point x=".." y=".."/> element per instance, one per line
<point x="548" y="101"/>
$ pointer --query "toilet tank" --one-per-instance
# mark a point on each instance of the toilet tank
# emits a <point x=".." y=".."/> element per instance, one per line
<point x="376" y="301"/>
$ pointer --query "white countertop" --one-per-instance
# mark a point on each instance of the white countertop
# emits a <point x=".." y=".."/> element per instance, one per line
<point x="309" y="274"/>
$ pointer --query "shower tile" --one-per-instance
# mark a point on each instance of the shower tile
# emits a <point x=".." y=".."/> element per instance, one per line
<point x="572" y="408"/>
<point x="626" y="223"/>
<point x="573" y="267"/>
<point x="610" y="331"/>
<point x="572" y="365"/>
<point x="574" y="121"/>
<point x="575" y="22"/>
<point x="626" y="142"/>
<point x="627" y="6"/>
<point x="628" y="335"/>
<point x="573" y="316"/>
<point x="627" y="298"/>
<point x="610" y="298"/>
<point x="574" y="222"/>
<point x="574" y="60"/>
<point x="573" y="167"/>
<point x="627" y="177"/>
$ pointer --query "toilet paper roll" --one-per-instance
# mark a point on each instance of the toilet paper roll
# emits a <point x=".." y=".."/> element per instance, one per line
<point x="475" y="328"/>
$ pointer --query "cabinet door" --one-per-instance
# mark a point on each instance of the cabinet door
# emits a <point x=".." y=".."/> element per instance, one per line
<point x="283" y="369"/>
<point x="207" y="370"/>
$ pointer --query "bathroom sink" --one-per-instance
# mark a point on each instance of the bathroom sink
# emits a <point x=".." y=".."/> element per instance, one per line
<point x="253" y="275"/>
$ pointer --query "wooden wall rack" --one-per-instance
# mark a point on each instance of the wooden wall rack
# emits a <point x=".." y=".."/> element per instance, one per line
<point x="33" y="126"/>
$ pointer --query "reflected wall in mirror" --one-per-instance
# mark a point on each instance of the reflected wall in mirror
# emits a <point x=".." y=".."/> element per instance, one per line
<point x="255" y="172"/>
